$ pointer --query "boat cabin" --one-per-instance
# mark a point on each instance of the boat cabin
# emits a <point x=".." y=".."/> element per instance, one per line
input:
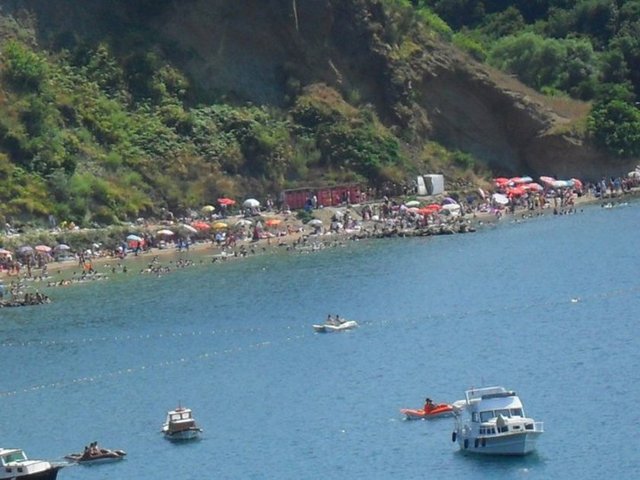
<point x="180" y="419"/>
<point x="11" y="455"/>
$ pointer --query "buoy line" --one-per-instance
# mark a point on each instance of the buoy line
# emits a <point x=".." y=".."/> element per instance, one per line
<point x="497" y="310"/>
<point x="207" y="356"/>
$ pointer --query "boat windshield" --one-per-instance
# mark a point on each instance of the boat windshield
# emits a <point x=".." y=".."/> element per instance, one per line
<point x="507" y="413"/>
<point x="14" y="457"/>
<point x="180" y="416"/>
<point x="486" y="416"/>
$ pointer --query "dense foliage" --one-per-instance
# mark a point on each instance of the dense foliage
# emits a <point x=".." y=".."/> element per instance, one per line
<point x="109" y="130"/>
<point x="91" y="138"/>
<point x="581" y="48"/>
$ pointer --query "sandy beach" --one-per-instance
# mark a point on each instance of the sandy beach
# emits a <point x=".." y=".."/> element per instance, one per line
<point x="290" y="236"/>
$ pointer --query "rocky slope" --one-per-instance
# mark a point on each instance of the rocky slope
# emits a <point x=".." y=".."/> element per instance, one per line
<point x="266" y="51"/>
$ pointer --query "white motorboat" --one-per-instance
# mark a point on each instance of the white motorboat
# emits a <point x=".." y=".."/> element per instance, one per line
<point x="492" y="421"/>
<point x="14" y="465"/>
<point x="330" y="327"/>
<point x="180" y="425"/>
<point x="93" y="456"/>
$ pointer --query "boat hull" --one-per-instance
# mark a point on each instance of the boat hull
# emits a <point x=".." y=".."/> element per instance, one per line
<point x="512" y="444"/>
<point x="327" y="328"/>
<point x="48" y="474"/>
<point x="182" y="435"/>
<point x="439" y="411"/>
<point x="114" y="456"/>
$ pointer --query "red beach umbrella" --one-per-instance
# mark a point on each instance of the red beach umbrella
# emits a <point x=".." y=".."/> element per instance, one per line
<point x="226" y="201"/>
<point x="201" y="226"/>
<point x="548" y="180"/>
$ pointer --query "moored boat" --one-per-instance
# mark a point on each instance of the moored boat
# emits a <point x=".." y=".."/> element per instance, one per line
<point x="329" y="327"/>
<point x="180" y="425"/>
<point x="94" y="455"/>
<point x="493" y="422"/>
<point x="14" y="465"/>
<point x="437" y="411"/>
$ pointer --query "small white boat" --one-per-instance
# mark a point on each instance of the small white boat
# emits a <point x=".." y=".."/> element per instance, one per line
<point x="14" y="465"/>
<point x="492" y="422"/>
<point x="100" y="455"/>
<point x="329" y="327"/>
<point x="180" y="425"/>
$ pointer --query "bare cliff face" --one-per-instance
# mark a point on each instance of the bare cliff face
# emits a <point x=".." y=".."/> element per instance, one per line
<point x="266" y="51"/>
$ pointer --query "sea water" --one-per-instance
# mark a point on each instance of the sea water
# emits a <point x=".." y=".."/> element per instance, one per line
<point x="545" y="306"/>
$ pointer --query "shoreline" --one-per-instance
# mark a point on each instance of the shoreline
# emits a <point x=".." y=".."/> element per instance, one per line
<point x="163" y="261"/>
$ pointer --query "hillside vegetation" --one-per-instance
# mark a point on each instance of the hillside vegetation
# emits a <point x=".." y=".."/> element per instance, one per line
<point x="111" y="112"/>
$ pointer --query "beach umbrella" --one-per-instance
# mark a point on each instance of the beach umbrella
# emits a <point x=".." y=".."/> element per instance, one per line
<point x="134" y="238"/>
<point x="520" y="180"/>
<point x="547" y="180"/>
<point x="165" y="232"/>
<point x="501" y="181"/>
<point x="561" y="184"/>
<point x="251" y="203"/>
<point x="500" y="199"/>
<point x="448" y="200"/>
<point x="61" y="247"/>
<point x="533" y="187"/>
<point x="4" y="252"/>
<point x="188" y="228"/>
<point x="412" y="203"/>
<point x="25" y="250"/>
<point x="243" y="222"/>
<point x="226" y="201"/>
<point x="208" y="208"/>
<point x="316" y="222"/>
<point x="219" y="225"/>
<point x="201" y="226"/>
<point x="516" y="191"/>
<point x="42" y="248"/>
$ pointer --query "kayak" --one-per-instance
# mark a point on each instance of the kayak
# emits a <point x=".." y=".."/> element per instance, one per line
<point x="438" y="411"/>
<point x="327" y="327"/>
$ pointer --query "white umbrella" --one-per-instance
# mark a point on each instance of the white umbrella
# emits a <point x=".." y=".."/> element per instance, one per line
<point x="316" y="222"/>
<point x="243" y="222"/>
<point x="251" y="203"/>
<point x="164" y="231"/>
<point x="500" y="198"/>
<point x="134" y="238"/>
<point x="189" y="228"/>
<point x="412" y="203"/>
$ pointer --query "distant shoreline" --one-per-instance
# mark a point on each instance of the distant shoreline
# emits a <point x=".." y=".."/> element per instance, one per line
<point x="162" y="261"/>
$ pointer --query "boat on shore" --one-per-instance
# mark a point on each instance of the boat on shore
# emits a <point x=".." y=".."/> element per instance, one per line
<point x="14" y="465"/>
<point x="339" y="327"/>
<point x="180" y="425"/>
<point x="493" y="422"/>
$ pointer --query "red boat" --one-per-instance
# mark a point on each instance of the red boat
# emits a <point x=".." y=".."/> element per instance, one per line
<point x="436" y="411"/>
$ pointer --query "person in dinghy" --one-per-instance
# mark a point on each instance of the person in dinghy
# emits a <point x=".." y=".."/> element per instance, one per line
<point x="430" y="410"/>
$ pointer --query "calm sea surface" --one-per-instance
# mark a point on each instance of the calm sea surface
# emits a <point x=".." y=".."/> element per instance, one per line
<point x="438" y="315"/>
